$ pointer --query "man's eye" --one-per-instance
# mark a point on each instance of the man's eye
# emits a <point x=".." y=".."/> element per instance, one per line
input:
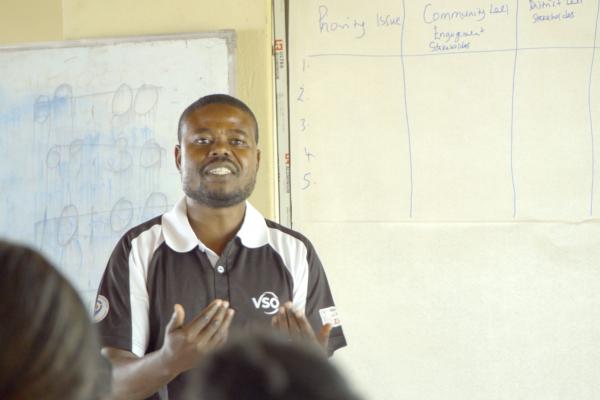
<point x="201" y="141"/>
<point x="237" y="142"/>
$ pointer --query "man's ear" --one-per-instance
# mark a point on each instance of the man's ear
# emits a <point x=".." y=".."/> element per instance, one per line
<point x="178" y="157"/>
<point x="257" y="158"/>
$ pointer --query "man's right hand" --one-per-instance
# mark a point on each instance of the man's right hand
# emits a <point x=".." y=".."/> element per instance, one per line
<point x="184" y="345"/>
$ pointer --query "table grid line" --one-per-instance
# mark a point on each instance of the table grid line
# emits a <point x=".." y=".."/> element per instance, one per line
<point x="410" y="213"/>
<point x="447" y="53"/>
<point x="590" y="112"/>
<point x="512" y="113"/>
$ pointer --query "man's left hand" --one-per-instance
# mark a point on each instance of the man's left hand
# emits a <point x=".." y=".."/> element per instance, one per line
<point x="295" y="324"/>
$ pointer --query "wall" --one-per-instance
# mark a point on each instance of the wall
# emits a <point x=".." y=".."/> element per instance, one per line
<point x="49" y="20"/>
<point x="30" y="21"/>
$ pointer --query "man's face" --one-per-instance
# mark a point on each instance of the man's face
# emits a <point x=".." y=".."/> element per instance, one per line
<point x="217" y="157"/>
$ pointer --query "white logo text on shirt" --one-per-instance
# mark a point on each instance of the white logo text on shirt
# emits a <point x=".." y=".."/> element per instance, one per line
<point x="268" y="302"/>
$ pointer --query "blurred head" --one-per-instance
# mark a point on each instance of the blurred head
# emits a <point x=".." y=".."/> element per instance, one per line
<point x="49" y="348"/>
<point x="268" y="367"/>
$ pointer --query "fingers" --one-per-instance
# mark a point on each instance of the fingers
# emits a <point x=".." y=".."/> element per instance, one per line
<point x="220" y="336"/>
<point x="177" y="318"/>
<point x="292" y="323"/>
<point x="203" y="319"/>
<point x="215" y="323"/>
<point x="293" y="320"/>
<point x="185" y="345"/>
<point x="323" y="337"/>
<point x="280" y="322"/>
<point x="303" y="325"/>
<point x="215" y="332"/>
<point x="296" y="325"/>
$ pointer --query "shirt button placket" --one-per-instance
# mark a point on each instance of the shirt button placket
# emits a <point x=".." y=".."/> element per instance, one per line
<point x="221" y="282"/>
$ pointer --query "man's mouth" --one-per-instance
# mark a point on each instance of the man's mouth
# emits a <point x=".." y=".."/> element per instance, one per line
<point x="220" y="168"/>
<point x="219" y="171"/>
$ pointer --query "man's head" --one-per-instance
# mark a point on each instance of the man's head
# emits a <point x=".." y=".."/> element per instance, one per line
<point x="217" y="153"/>
<point x="215" y="99"/>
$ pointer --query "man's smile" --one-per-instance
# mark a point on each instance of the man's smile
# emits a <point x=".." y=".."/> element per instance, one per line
<point x="220" y="168"/>
<point x="220" y="171"/>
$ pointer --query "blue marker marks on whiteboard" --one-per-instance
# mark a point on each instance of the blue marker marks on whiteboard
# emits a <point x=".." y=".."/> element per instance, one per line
<point x="146" y="99"/>
<point x="41" y="109"/>
<point x="147" y="133"/>
<point x="15" y="113"/>
<point x="151" y="155"/>
<point x="122" y="100"/>
<point x="12" y="116"/>
<point x="62" y="100"/>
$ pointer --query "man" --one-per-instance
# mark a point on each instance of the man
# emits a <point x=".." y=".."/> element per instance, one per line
<point x="210" y="258"/>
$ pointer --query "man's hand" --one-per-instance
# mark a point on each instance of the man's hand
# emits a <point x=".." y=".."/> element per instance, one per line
<point x="139" y="377"/>
<point x="295" y="324"/>
<point x="184" y="345"/>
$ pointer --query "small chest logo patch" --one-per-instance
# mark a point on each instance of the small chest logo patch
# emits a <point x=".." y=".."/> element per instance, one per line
<point x="268" y="302"/>
<point x="330" y="315"/>
<point x="100" y="308"/>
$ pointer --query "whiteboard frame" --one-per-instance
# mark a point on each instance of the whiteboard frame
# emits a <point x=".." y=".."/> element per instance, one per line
<point x="228" y="34"/>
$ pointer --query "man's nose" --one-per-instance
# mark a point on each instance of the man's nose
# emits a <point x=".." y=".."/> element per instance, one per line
<point x="220" y="147"/>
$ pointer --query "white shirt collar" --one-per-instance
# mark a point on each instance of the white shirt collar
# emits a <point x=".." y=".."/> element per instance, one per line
<point x="180" y="236"/>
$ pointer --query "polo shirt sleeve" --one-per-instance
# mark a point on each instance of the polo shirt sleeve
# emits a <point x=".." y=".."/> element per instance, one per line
<point x="121" y="310"/>
<point x="320" y="307"/>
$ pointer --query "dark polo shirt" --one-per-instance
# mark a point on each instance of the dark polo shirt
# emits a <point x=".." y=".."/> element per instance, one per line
<point x="161" y="262"/>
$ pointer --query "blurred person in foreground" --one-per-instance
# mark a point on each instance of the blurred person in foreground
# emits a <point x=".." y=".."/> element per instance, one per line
<point x="266" y="366"/>
<point x="49" y="348"/>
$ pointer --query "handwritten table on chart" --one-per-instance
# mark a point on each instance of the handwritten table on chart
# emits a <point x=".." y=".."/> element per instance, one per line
<point x="445" y="111"/>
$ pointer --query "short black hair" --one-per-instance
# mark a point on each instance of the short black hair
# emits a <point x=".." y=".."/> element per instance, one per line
<point x="267" y="366"/>
<point x="49" y="347"/>
<point x="218" y="98"/>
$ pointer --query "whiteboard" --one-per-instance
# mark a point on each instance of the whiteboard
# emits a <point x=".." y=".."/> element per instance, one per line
<point x="445" y="161"/>
<point x="87" y="131"/>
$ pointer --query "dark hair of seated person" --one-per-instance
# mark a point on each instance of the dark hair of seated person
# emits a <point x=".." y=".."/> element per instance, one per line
<point x="49" y="348"/>
<point x="264" y="366"/>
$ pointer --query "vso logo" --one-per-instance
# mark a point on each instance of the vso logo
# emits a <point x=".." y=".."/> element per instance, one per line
<point x="268" y="302"/>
